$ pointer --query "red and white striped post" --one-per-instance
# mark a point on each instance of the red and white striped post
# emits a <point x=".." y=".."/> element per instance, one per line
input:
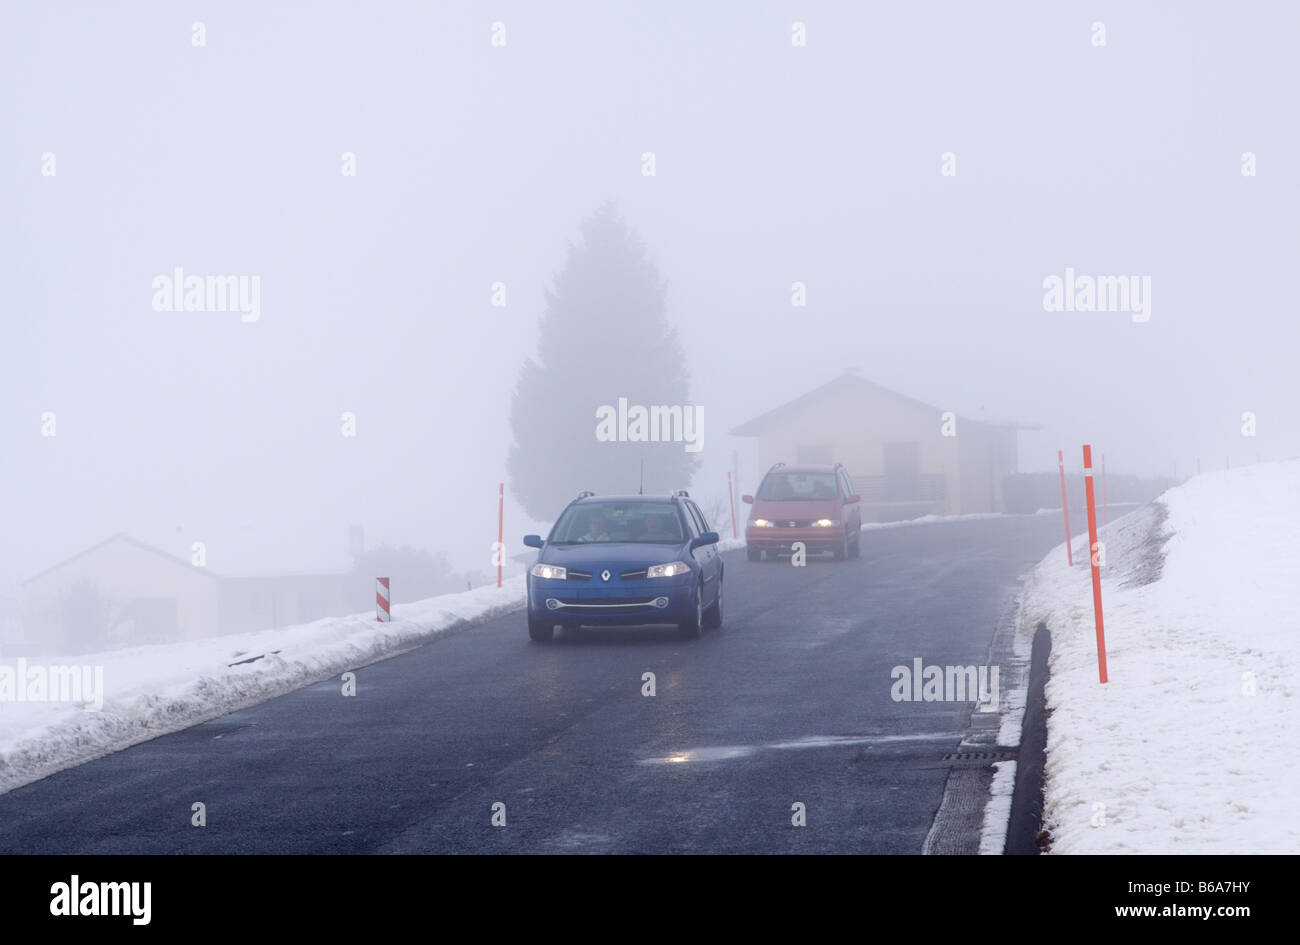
<point x="731" y="498"/>
<point x="1065" y="507"/>
<point x="381" y="600"/>
<point x="501" y="517"/>
<point x="1096" y="564"/>
<point x="1105" y="506"/>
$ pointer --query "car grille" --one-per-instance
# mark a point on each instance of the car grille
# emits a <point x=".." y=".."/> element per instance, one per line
<point x="573" y="575"/>
<point x="788" y="523"/>
<point x="607" y="604"/>
<point x="633" y="575"/>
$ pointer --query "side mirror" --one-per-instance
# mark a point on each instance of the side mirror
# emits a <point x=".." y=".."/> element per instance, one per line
<point x="533" y="541"/>
<point x="853" y="498"/>
<point x="747" y="499"/>
<point x="708" y="538"/>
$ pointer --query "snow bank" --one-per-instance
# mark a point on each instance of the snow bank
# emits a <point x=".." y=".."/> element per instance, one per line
<point x="1189" y="747"/>
<point x="152" y="690"/>
<point x="934" y="519"/>
<point x="997" y="814"/>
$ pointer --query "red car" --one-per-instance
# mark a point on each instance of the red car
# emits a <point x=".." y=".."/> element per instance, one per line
<point x="812" y="504"/>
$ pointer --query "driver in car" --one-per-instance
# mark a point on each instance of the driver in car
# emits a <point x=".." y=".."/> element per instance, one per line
<point x="596" y="530"/>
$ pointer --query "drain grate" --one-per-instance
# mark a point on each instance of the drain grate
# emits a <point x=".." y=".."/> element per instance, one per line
<point x="980" y="757"/>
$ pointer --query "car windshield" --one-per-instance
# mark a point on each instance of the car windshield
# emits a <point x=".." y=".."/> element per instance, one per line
<point x="792" y="486"/>
<point x="641" y="522"/>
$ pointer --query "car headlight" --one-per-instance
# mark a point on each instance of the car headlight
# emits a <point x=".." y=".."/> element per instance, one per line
<point x="762" y="523"/>
<point x="552" y="571"/>
<point x="667" y="570"/>
<point x="825" y="523"/>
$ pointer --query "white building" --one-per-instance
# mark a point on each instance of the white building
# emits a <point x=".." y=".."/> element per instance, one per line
<point x="123" y="592"/>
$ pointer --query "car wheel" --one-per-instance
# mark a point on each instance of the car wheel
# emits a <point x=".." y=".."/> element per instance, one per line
<point x="713" y="616"/>
<point x="855" y="548"/>
<point x="842" y="549"/>
<point x="692" y="626"/>
<point x="754" y="554"/>
<point x="540" y="631"/>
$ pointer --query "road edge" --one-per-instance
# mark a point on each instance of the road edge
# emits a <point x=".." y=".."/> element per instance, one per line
<point x="1027" y="797"/>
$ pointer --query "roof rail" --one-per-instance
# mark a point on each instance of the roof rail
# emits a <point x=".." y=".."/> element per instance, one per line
<point x="774" y="465"/>
<point x="683" y="493"/>
<point x="585" y="493"/>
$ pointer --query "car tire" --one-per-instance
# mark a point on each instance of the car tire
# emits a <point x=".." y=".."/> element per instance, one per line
<point x="855" y="549"/>
<point x="754" y="554"/>
<point x="713" y="616"/>
<point x="693" y="626"/>
<point x="842" y="550"/>
<point x="540" y="631"/>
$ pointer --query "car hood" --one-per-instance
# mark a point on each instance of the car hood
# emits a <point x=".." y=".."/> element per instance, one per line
<point x="616" y="554"/>
<point x="796" y="510"/>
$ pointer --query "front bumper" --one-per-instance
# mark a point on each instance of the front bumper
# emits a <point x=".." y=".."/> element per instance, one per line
<point x="618" y="603"/>
<point x="780" y="539"/>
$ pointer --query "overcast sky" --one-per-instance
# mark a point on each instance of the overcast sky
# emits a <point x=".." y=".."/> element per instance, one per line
<point x="475" y="163"/>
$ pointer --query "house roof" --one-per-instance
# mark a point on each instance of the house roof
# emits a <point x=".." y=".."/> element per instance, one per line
<point x="849" y="381"/>
<point x="121" y="536"/>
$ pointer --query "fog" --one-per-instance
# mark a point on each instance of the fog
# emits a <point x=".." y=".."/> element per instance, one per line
<point x="476" y="163"/>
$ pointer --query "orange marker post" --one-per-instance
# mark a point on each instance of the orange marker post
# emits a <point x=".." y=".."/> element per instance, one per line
<point x="731" y="498"/>
<point x="1065" y="507"/>
<point x="501" y="516"/>
<point x="1096" y="565"/>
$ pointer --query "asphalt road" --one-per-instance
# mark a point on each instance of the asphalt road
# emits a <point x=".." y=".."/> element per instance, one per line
<point x="789" y="702"/>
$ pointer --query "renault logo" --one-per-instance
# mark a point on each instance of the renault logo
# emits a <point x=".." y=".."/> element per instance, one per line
<point x="604" y="575"/>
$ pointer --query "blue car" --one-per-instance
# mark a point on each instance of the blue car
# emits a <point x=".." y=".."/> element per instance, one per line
<point x="616" y="561"/>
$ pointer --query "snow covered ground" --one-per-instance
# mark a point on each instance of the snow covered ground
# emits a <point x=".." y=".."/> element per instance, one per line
<point x="1190" y="745"/>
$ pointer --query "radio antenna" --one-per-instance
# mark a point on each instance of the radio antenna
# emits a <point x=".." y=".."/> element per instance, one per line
<point x="640" y="488"/>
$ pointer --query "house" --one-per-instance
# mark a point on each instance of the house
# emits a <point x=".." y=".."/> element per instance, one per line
<point x="907" y="458"/>
<point x="123" y="592"/>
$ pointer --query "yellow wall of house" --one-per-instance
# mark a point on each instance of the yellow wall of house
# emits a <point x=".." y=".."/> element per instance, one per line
<point x="857" y="425"/>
